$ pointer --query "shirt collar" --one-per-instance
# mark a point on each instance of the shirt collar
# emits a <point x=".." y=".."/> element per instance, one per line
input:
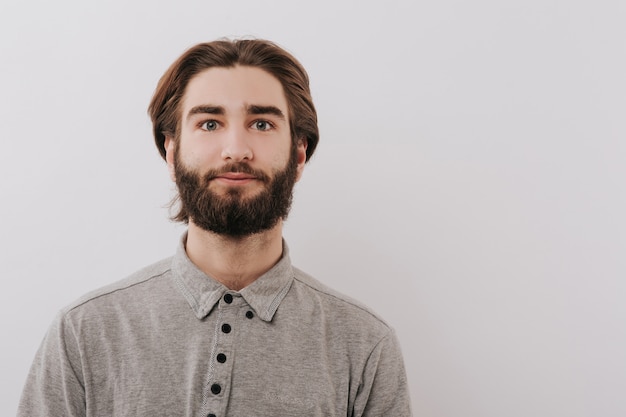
<point x="203" y="292"/>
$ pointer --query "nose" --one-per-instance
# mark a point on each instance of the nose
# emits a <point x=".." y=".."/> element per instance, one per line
<point x="236" y="147"/>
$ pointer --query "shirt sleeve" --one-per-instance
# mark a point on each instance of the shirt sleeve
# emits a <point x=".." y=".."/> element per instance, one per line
<point x="384" y="388"/>
<point x="54" y="386"/>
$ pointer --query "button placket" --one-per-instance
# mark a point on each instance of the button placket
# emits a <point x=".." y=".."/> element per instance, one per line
<point x="217" y="390"/>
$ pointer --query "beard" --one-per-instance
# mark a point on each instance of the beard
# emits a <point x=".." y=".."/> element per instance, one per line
<point x="231" y="213"/>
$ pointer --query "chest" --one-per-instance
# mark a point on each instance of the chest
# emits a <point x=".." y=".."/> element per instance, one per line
<point x="230" y="364"/>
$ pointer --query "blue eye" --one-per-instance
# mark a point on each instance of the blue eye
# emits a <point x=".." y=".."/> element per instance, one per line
<point x="209" y="125"/>
<point x="262" y="125"/>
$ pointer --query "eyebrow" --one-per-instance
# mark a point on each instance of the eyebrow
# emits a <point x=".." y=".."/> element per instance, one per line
<point x="253" y="109"/>
<point x="204" y="109"/>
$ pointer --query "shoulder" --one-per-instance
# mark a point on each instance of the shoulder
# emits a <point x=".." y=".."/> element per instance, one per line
<point x="132" y="287"/>
<point x="343" y="310"/>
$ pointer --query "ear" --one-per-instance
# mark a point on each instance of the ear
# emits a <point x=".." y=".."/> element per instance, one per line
<point x="302" y="144"/>
<point x="170" y="157"/>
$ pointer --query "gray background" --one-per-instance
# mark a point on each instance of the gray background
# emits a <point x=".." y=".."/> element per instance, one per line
<point x="469" y="184"/>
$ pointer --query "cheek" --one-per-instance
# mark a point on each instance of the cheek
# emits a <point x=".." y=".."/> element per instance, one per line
<point x="277" y="157"/>
<point x="199" y="154"/>
<point x="280" y="160"/>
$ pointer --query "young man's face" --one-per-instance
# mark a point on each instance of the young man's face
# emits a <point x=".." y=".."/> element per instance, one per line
<point x="234" y="162"/>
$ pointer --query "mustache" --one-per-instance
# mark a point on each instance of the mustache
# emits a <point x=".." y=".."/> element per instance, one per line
<point x="238" y="167"/>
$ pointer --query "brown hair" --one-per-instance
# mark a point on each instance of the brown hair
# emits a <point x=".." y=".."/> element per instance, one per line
<point x="164" y="109"/>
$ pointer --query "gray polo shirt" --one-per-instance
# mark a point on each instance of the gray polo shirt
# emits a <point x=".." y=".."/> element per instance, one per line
<point x="170" y="341"/>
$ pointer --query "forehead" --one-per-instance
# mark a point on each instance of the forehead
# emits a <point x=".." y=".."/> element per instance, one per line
<point x="234" y="88"/>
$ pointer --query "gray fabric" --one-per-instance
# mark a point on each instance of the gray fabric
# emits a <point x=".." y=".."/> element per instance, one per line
<point x="154" y="345"/>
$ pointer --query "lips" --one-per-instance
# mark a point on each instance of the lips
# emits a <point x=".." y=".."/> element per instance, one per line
<point x="235" y="179"/>
<point x="237" y="173"/>
<point x="236" y="176"/>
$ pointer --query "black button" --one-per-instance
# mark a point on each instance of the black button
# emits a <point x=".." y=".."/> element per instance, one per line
<point x="226" y="328"/>
<point x="249" y="314"/>
<point x="211" y="415"/>
<point x="216" y="389"/>
<point x="221" y="358"/>
<point x="228" y="298"/>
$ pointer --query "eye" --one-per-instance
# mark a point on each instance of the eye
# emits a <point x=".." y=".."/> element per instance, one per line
<point x="209" y="125"/>
<point x="262" y="125"/>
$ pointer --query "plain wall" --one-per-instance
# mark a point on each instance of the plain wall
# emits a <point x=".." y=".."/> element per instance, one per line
<point x="468" y="186"/>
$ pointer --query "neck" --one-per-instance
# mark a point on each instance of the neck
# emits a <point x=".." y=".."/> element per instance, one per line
<point x="236" y="262"/>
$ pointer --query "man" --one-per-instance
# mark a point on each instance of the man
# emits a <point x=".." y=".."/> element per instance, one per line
<point x="227" y="326"/>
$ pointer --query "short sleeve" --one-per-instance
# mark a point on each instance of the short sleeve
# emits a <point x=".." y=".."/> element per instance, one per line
<point x="384" y="389"/>
<point x="54" y="386"/>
